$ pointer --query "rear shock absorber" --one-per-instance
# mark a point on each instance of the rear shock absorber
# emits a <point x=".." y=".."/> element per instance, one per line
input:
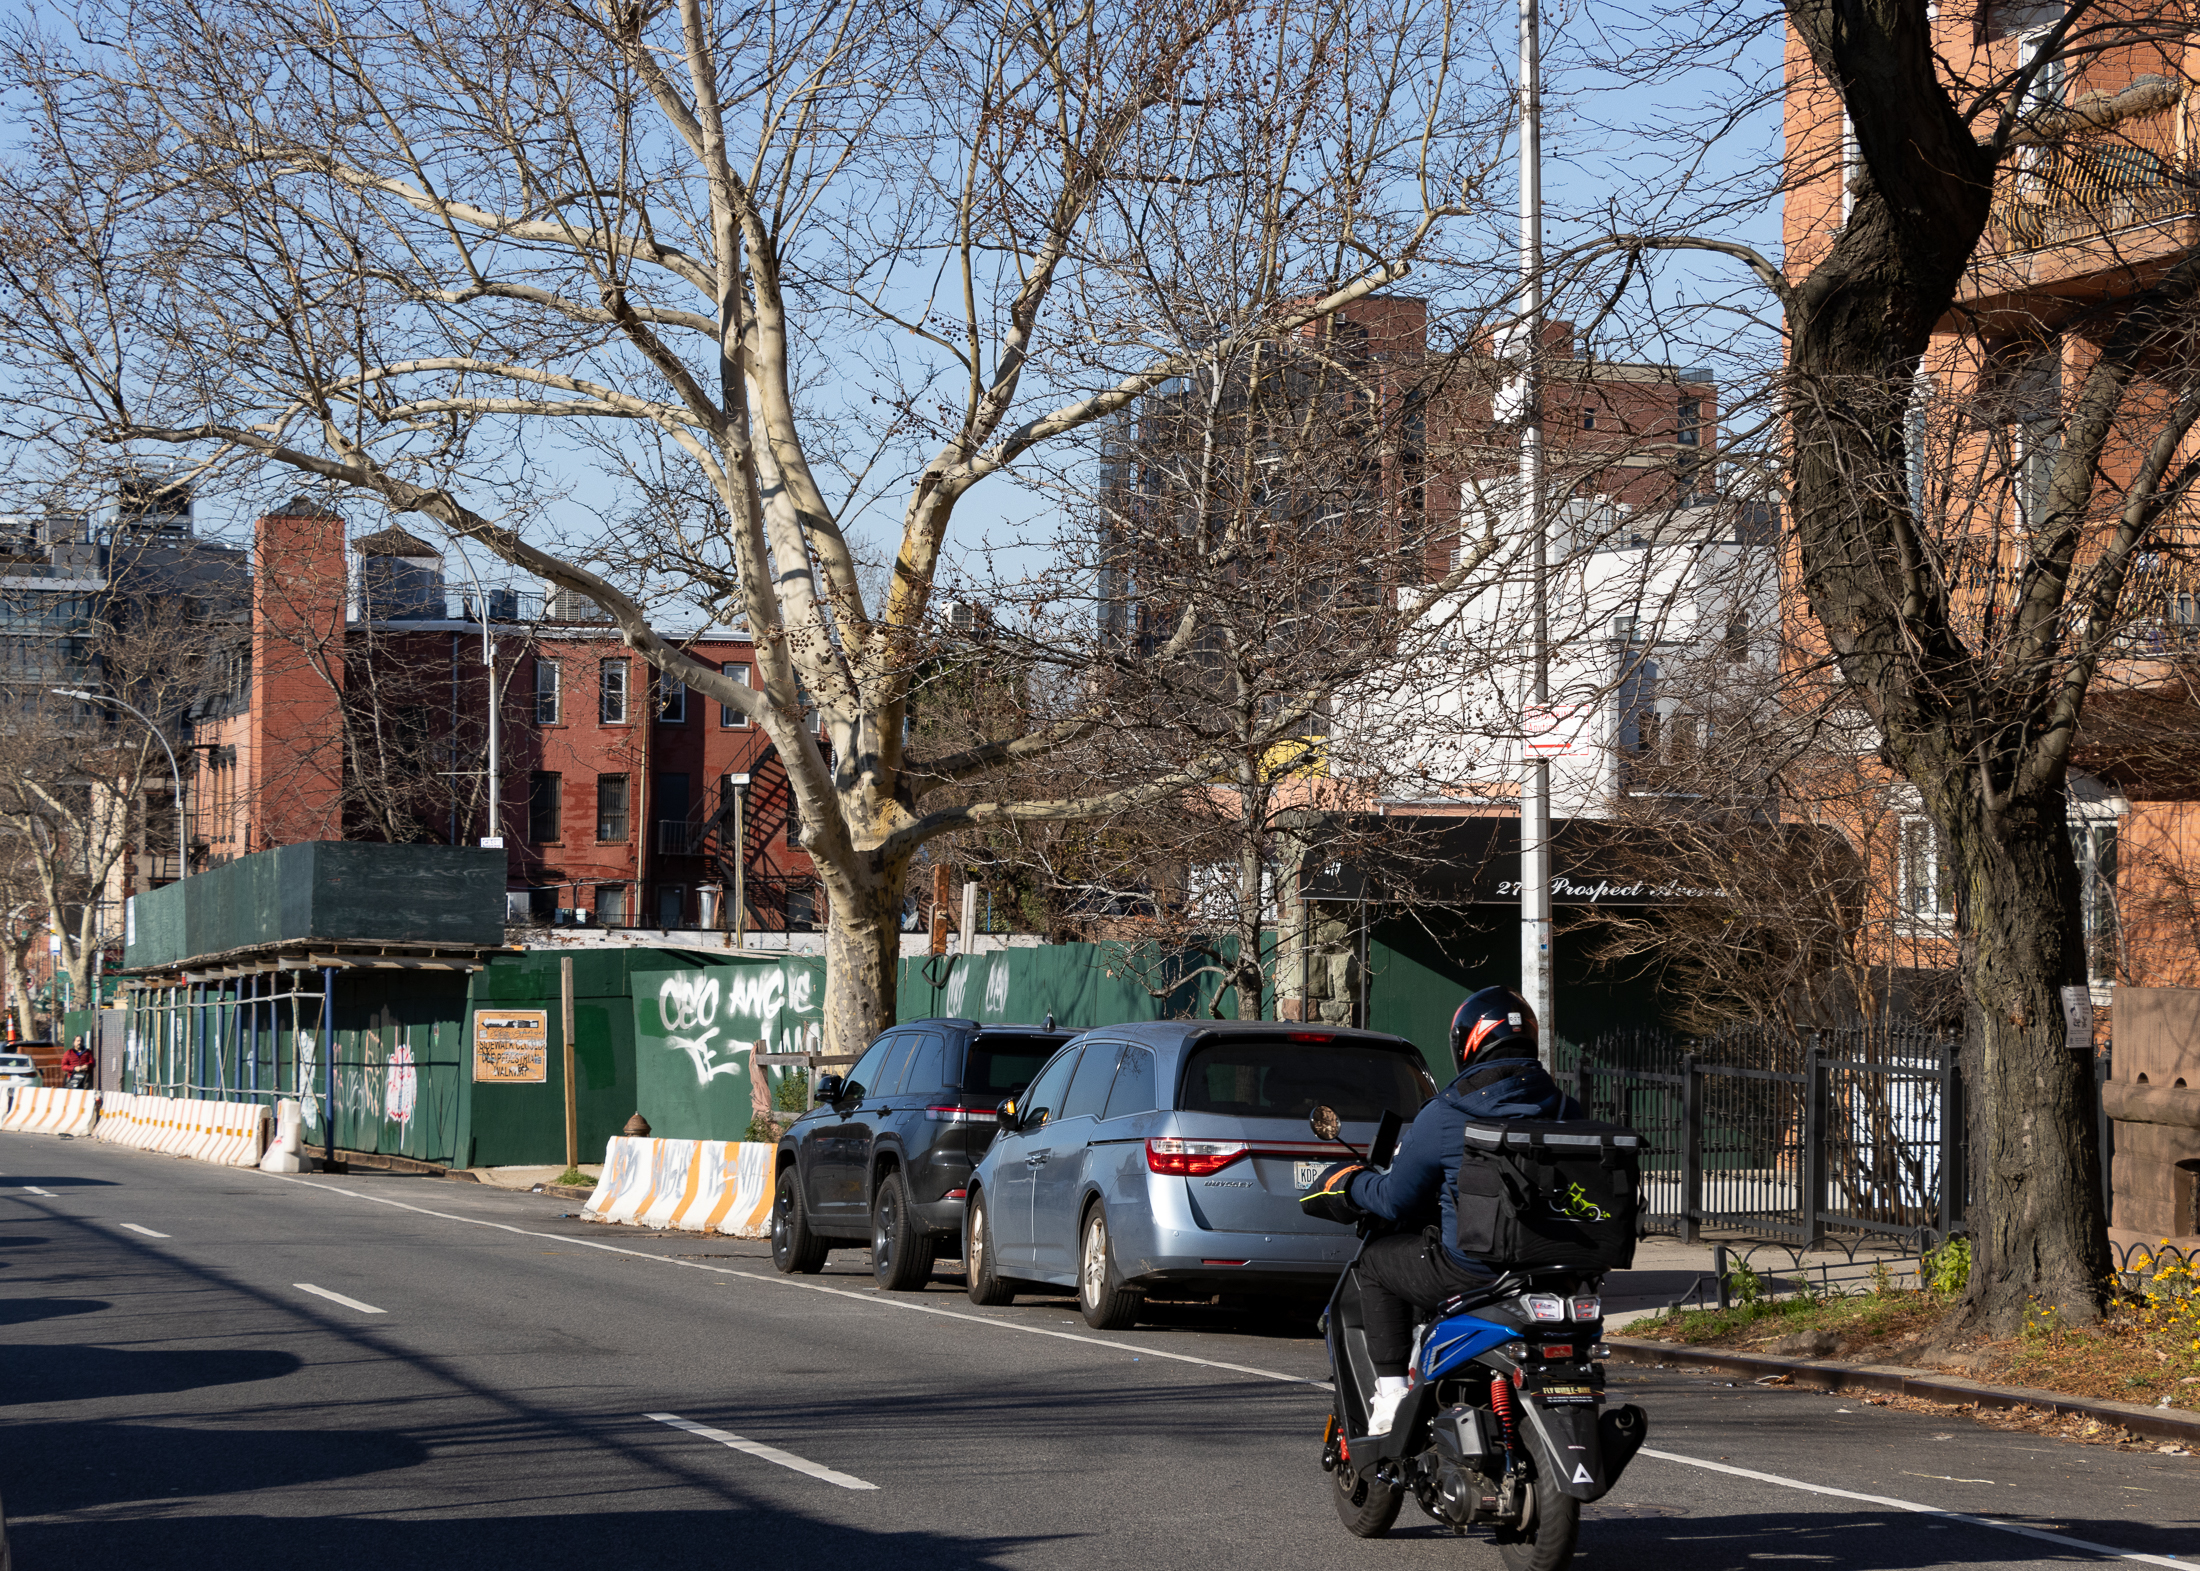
<point x="1501" y="1403"/>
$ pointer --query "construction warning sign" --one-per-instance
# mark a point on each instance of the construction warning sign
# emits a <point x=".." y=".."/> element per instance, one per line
<point x="512" y="1045"/>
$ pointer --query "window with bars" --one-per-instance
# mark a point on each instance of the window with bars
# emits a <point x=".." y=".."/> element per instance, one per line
<point x="543" y="799"/>
<point x="611" y="818"/>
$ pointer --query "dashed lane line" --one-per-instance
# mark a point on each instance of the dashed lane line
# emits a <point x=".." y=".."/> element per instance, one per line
<point x="757" y="1448"/>
<point x="148" y="1232"/>
<point x="2039" y="1534"/>
<point x="776" y="1280"/>
<point x="338" y="1298"/>
<point x="2045" y="1537"/>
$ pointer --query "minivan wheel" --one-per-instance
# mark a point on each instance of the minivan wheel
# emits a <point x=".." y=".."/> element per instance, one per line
<point x="1107" y="1303"/>
<point x="986" y="1287"/>
<point x="901" y="1251"/>
<point x="795" y="1249"/>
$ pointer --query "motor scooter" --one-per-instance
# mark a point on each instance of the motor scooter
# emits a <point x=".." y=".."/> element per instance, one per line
<point x="1504" y="1426"/>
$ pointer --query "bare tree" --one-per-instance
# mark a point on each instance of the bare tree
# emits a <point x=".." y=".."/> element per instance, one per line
<point x="733" y="251"/>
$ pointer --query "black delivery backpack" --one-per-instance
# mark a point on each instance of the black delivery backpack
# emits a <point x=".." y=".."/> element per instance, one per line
<point x="1549" y="1194"/>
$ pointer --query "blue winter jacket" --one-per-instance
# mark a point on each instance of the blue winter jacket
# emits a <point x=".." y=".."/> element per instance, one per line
<point x="1418" y="1184"/>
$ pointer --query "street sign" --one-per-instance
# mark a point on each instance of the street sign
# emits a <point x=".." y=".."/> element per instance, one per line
<point x="1555" y="730"/>
<point x="2077" y="1003"/>
<point x="512" y="1045"/>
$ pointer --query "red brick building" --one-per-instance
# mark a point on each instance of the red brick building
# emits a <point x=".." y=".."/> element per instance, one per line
<point x="360" y="710"/>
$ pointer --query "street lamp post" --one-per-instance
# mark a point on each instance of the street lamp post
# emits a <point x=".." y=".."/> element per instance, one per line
<point x="183" y="840"/>
<point x="1536" y="980"/>
<point x="489" y="674"/>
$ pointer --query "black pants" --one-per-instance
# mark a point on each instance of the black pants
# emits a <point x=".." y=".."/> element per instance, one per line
<point x="1399" y="1275"/>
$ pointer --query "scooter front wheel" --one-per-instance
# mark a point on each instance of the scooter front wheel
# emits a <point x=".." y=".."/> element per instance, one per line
<point x="1365" y="1507"/>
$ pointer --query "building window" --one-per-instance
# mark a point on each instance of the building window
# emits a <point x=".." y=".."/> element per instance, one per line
<point x="1735" y="646"/>
<point x="1588" y="422"/>
<point x="611" y="705"/>
<point x="1926" y="883"/>
<point x="1690" y="433"/>
<point x="549" y="693"/>
<point x="801" y="907"/>
<point x="2094" y="844"/>
<point x="672" y="699"/>
<point x="611" y="904"/>
<point x="730" y="718"/>
<point x="542" y="806"/>
<point x="794" y="818"/>
<point x="611" y="809"/>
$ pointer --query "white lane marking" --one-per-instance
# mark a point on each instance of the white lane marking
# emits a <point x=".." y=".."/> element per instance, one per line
<point x="759" y="1449"/>
<point x="776" y="1280"/>
<point x="338" y="1298"/>
<point x="35" y="1190"/>
<point x="1268" y="1374"/>
<point x="2018" y="1528"/>
<point x="148" y="1232"/>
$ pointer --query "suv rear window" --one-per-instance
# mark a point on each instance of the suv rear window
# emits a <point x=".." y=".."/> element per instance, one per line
<point x="1002" y="1065"/>
<point x="1255" y="1078"/>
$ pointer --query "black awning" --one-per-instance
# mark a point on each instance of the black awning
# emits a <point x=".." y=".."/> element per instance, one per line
<point x="1476" y="861"/>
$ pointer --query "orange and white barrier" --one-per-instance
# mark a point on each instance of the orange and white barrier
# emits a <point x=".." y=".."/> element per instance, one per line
<point x="697" y="1186"/>
<point x="232" y="1134"/>
<point x="50" y="1110"/>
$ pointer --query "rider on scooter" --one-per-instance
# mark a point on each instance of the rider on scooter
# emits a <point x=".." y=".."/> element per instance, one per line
<point x="1493" y="1041"/>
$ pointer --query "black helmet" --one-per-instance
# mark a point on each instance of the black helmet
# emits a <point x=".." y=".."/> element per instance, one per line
<point x="1494" y="1015"/>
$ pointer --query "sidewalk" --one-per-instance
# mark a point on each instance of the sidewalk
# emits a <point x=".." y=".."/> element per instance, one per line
<point x="528" y="1178"/>
<point x="1666" y="1269"/>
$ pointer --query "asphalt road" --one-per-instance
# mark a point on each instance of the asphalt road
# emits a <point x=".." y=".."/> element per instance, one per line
<point x="496" y="1393"/>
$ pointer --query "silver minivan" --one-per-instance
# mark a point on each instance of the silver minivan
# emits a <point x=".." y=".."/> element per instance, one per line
<point x="1168" y="1158"/>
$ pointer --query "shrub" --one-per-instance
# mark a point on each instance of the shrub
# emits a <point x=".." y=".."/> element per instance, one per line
<point x="1946" y="1271"/>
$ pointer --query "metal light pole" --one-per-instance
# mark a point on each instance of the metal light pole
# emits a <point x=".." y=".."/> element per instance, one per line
<point x="489" y="674"/>
<point x="1535" y="796"/>
<point x="183" y="842"/>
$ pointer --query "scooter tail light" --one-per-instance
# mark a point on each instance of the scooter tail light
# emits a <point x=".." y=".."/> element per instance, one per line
<point x="1175" y="1156"/>
<point x="1543" y="1306"/>
<point x="1588" y="1308"/>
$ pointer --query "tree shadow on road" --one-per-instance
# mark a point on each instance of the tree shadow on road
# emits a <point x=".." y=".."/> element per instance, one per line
<point x="755" y="1538"/>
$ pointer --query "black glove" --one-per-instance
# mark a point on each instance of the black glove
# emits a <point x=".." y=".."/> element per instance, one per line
<point x="1330" y="1199"/>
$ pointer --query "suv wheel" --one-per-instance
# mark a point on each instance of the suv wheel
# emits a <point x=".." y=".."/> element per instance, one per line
<point x="1107" y="1303"/>
<point x="986" y="1285"/>
<point x="901" y="1251"/>
<point x="795" y="1249"/>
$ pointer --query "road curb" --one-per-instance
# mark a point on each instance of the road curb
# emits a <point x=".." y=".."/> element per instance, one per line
<point x="1892" y="1380"/>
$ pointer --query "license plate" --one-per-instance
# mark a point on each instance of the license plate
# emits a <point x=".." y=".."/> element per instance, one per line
<point x="1303" y="1174"/>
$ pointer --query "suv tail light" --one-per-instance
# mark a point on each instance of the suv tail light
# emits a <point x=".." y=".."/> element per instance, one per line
<point x="951" y="1114"/>
<point x="1191" y="1158"/>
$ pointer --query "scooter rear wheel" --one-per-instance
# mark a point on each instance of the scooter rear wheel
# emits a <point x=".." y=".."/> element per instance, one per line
<point x="1366" y="1508"/>
<point x="1547" y="1542"/>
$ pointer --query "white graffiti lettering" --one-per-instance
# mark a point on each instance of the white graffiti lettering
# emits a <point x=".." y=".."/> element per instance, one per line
<point x="996" y="989"/>
<point x="688" y="1006"/>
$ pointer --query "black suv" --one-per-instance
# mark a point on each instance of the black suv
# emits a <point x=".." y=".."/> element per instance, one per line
<point x="888" y="1152"/>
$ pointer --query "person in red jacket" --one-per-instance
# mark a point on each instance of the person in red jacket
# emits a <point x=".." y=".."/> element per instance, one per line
<point x="77" y="1057"/>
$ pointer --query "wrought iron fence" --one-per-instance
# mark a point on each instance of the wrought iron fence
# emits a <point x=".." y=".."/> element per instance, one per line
<point x="1855" y="1130"/>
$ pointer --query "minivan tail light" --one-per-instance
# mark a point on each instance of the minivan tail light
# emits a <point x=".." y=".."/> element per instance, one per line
<point x="1191" y="1158"/>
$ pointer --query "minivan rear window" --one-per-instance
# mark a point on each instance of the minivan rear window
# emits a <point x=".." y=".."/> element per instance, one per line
<point x="1003" y="1065"/>
<point x="1256" y="1078"/>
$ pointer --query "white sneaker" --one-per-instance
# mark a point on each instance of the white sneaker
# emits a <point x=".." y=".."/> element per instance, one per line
<point x="1382" y="1410"/>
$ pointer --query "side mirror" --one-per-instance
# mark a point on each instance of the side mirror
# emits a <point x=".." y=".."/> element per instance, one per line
<point x="1004" y="1116"/>
<point x="829" y="1088"/>
<point x="1323" y="1121"/>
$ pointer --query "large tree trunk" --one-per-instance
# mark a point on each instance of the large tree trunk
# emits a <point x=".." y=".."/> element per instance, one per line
<point x="2039" y="1227"/>
<point x="862" y="958"/>
<point x="1965" y="731"/>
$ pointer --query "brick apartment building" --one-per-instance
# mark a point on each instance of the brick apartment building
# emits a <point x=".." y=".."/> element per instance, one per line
<point x="360" y="710"/>
<point x="2073" y="229"/>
